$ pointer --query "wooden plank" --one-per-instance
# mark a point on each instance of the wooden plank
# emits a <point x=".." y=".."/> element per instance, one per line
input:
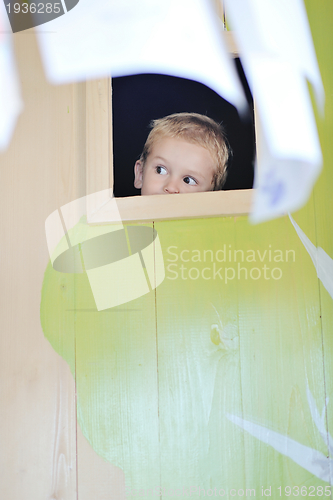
<point x="184" y="206"/>
<point x="281" y="352"/>
<point x="97" y="478"/>
<point x="116" y="376"/>
<point x="199" y="372"/>
<point x="38" y="174"/>
<point x="99" y="164"/>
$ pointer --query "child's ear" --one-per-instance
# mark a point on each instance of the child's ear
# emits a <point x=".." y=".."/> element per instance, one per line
<point x="138" y="172"/>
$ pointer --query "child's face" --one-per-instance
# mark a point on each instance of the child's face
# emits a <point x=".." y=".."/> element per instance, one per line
<point x="175" y="166"/>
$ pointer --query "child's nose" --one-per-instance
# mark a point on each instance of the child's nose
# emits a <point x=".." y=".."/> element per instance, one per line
<point x="171" y="187"/>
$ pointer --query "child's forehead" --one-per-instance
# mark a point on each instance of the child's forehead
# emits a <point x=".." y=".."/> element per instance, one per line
<point x="169" y="143"/>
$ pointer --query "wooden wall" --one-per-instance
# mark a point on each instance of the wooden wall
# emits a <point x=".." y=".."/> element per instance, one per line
<point x="43" y="169"/>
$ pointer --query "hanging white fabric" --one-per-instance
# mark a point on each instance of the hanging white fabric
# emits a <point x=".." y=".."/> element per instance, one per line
<point x="175" y="37"/>
<point x="277" y="52"/>
<point x="10" y="99"/>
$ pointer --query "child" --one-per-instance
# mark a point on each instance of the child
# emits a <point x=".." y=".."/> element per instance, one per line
<point x="184" y="153"/>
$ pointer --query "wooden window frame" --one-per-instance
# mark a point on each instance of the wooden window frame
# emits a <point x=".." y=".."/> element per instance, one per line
<point x="99" y="174"/>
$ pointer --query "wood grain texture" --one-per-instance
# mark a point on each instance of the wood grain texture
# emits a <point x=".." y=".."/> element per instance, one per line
<point x="97" y="478"/>
<point x="199" y="373"/>
<point x="281" y="353"/>
<point x="116" y="376"/>
<point x="99" y="159"/>
<point x="38" y="173"/>
<point x="184" y="206"/>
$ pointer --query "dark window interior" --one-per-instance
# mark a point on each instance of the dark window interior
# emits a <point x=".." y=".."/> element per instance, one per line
<point x="138" y="99"/>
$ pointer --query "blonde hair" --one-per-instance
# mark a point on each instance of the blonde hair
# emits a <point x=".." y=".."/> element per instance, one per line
<point x="197" y="129"/>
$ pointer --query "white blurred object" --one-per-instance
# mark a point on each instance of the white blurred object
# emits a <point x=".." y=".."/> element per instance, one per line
<point x="121" y="263"/>
<point x="277" y="53"/>
<point x="123" y="37"/>
<point x="10" y="99"/>
<point x="314" y="461"/>
<point x="321" y="260"/>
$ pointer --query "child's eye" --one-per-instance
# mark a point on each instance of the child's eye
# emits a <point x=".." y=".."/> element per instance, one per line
<point x="190" y="181"/>
<point x="161" y="170"/>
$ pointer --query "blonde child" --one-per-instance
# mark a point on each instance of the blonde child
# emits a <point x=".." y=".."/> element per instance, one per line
<point x="184" y="153"/>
